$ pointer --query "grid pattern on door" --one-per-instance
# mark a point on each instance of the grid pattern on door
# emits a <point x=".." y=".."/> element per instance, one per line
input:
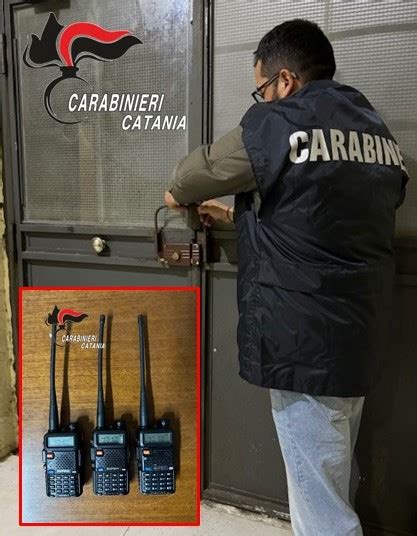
<point x="95" y="172"/>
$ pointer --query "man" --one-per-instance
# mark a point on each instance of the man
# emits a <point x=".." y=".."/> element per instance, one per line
<point x="317" y="177"/>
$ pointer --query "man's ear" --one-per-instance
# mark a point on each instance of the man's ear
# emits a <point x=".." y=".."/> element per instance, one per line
<point x="287" y="82"/>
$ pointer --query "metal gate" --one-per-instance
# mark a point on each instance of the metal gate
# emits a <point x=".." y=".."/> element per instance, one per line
<point x="80" y="202"/>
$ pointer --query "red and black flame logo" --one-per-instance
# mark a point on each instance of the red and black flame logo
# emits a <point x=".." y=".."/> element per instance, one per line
<point x="60" y="316"/>
<point x="64" y="46"/>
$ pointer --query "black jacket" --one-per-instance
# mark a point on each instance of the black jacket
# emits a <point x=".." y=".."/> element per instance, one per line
<point x="316" y="266"/>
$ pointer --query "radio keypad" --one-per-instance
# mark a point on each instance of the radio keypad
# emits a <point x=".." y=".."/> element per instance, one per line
<point x="62" y="485"/>
<point x="156" y="482"/>
<point x="111" y="482"/>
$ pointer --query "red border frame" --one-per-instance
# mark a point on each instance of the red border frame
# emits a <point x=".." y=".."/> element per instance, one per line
<point x="197" y="290"/>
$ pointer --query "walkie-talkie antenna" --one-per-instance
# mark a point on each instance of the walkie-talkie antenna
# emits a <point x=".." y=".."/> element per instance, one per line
<point x="101" y="417"/>
<point x="144" y="414"/>
<point x="53" y="406"/>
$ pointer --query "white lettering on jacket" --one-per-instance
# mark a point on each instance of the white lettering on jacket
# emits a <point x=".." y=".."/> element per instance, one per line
<point x="335" y="145"/>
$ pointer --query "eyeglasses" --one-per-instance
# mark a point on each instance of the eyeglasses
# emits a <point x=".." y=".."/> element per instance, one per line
<point x="258" y="94"/>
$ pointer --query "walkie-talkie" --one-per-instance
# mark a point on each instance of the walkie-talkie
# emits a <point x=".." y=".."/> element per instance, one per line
<point x="61" y="453"/>
<point x="109" y="445"/>
<point x="154" y="445"/>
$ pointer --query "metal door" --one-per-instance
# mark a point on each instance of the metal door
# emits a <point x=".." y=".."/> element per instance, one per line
<point x="244" y="466"/>
<point x="70" y="187"/>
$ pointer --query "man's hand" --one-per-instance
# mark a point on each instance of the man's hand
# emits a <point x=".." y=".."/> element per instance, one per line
<point x="213" y="210"/>
<point x="170" y="201"/>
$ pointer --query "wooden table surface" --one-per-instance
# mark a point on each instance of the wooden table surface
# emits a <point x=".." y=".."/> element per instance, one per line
<point x="171" y="321"/>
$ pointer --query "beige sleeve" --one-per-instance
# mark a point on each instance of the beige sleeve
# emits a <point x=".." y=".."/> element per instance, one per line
<point x="210" y="171"/>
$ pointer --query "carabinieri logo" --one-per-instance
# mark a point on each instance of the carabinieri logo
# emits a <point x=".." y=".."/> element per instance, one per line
<point x="63" y="319"/>
<point x="59" y="317"/>
<point x="64" y="46"/>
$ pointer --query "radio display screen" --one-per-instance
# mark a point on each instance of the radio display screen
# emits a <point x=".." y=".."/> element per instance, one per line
<point x="61" y="441"/>
<point x="107" y="439"/>
<point x="158" y="437"/>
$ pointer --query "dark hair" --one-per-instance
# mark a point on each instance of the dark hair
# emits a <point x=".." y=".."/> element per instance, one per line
<point x="298" y="45"/>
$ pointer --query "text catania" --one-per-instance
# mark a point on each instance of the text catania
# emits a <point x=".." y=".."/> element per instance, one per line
<point x="145" y="105"/>
<point x="333" y="144"/>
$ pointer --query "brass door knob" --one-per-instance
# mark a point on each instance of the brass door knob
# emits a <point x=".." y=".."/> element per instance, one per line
<point x="98" y="244"/>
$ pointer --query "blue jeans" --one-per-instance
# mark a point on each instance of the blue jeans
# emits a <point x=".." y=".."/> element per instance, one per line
<point x="317" y="436"/>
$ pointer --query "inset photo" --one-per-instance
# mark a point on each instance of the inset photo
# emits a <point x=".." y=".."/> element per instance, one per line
<point x="109" y="406"/>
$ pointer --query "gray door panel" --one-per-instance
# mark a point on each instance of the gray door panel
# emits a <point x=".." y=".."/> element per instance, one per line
<point x="64" y="274"/>
<point x="245" y="457"/>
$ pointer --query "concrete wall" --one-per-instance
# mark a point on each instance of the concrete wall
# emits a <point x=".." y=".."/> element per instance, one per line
<point x="8" y="415"/>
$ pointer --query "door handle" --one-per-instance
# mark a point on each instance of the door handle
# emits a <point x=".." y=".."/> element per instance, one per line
<point x="98" y="244"/>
